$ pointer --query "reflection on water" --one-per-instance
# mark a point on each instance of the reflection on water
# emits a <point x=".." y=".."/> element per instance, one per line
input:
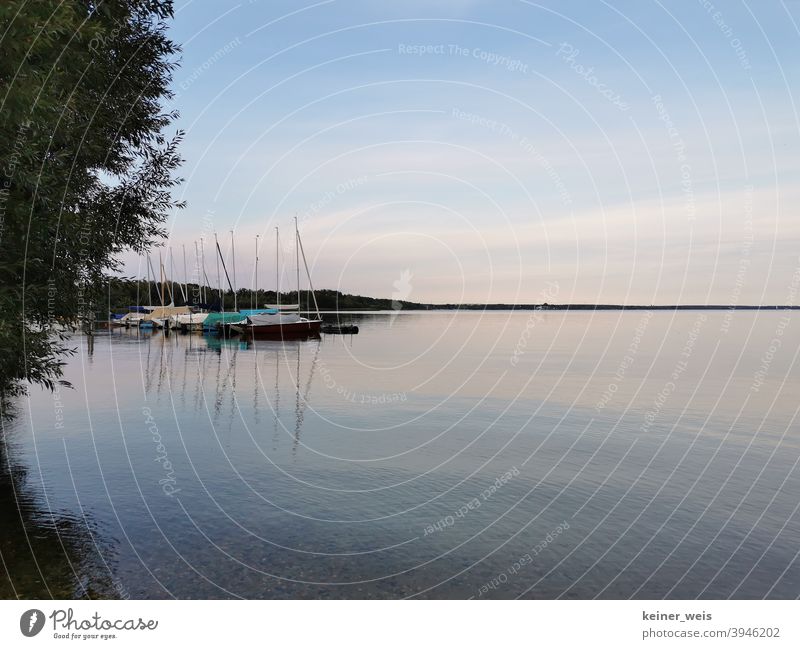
<point x="47" y="553"/>
<point x="552" y="454"/>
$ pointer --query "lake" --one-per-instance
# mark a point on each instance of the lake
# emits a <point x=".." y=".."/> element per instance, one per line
<point x="485" y="455"/>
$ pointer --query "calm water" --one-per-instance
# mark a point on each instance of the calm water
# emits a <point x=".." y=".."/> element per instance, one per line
<point x="453" y="455"/>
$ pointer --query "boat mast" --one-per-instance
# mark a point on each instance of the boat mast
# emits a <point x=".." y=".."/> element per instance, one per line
<point x="233" y="286"/>
<point x="139" y="284"/>
<point x="206" y="283"/>
<point x="225" y="269"/>
<point x="161" y="264"/>
<point x="308" y="274"/>
<point x="150" y="279"/>
<point x="201" y="261"/>
<point x="169" y="287"/>
<point x="277" y="271"/>
<point x="185" y="277"/>
<point x="219" y="278"/>
<point x="197" y="266"/>
<point x="153" y="274"/>
<point x="297" y="260"/>
<point x="172" y="276"/>
<point x="172" y="279"/>
<point x="255" y="278"/>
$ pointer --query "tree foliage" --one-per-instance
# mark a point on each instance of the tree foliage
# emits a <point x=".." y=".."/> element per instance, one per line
<point x="86" y="171"/>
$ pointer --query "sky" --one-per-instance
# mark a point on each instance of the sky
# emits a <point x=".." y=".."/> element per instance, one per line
<point x="473" y="151"/>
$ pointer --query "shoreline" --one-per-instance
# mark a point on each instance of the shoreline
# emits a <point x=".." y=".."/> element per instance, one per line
<point x="569" y="307"/>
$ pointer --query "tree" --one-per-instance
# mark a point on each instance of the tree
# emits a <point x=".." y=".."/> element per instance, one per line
<point x="85" y="169"/>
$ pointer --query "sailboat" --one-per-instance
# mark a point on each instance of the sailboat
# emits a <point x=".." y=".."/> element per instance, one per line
<point x="189" y="321"/>
<point x="220" y="320"/>
<point x="283" y="320"/>
<point x="159" y="317"/>
<point x="192" y="321"/>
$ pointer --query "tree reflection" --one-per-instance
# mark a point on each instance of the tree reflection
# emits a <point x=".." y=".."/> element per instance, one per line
<point x="46" y="554"/>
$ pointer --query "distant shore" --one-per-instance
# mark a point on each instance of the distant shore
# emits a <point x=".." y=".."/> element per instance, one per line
<point x="122" y="292"/>
<point x="575" y="307"/>
<point x="606" y="307"/>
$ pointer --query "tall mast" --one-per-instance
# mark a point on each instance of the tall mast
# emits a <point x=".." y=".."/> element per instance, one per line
<point x="172" y="276"/>
<point x="255" y="277"/>
<point x="297" y="259"/>
<point x="168" y="288"/>
<point x="197" y="265"/>
<point x="172" y="279"/>
<point x="233" y="254"/>
<point x="139" y="283"/>
<point x="206" y="283"/>
<point x="224" y="268"/>
<point x="277" y="272"/>
<point x="308" y="274"/>
<point x="161" y="264"/>
<point x="219" y="278"/>
<point x="149" y="280"/>
<point x="185" y="277"/>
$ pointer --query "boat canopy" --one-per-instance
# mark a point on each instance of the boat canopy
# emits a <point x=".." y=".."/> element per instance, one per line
<point x="229" y="317"/>
<point x="283" y="307"/>
<point x="249" y="312"/>
<point x="166" y="311"/>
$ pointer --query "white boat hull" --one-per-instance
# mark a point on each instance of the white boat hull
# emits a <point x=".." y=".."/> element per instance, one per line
<point x="288" y="328"/>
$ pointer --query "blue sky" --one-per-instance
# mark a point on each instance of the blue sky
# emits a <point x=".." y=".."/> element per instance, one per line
<point x="637" y="152"/>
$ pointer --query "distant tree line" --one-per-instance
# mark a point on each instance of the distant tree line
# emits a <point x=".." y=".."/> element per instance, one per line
<point x="121" y="293"/>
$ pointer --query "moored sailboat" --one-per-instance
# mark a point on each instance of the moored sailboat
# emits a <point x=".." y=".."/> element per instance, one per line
<point x="283" y="320"/>
<point x="189" y="321"/>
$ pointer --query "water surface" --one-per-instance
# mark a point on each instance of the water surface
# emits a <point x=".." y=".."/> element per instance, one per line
<point x="440" y="454"/>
